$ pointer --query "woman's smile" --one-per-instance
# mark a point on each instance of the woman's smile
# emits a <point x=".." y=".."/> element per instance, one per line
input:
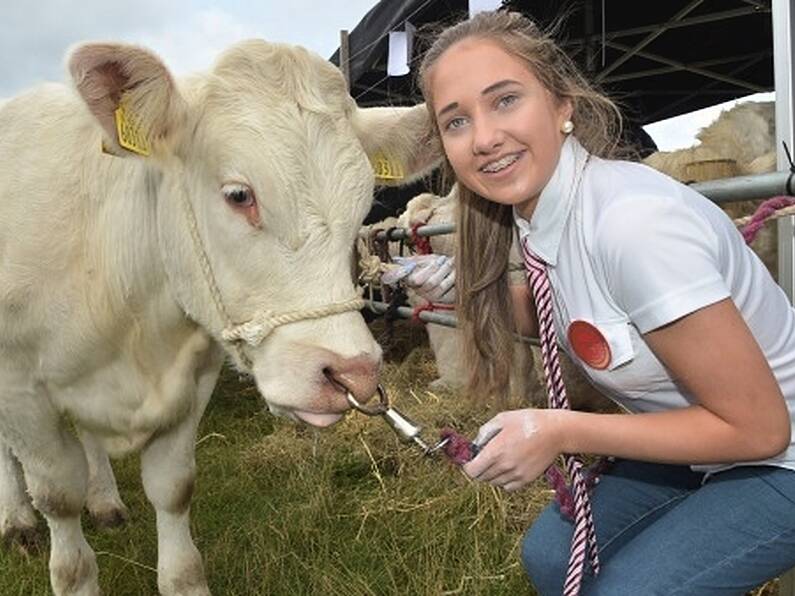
<point x="502" y="166"/>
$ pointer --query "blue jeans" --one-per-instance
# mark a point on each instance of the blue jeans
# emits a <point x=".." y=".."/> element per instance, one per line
<point x="660" y="531"/>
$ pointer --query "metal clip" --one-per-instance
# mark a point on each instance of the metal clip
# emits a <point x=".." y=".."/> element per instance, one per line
<point x="406" y="430"/>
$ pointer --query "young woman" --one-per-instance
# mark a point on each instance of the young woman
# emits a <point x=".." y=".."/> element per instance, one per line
<point x="650" y="289"/>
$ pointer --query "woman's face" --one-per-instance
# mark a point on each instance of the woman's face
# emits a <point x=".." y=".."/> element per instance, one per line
<point x="500" y="127"/>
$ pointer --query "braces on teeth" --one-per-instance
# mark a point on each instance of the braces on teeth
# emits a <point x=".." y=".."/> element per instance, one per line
<point x="501" y="164"/>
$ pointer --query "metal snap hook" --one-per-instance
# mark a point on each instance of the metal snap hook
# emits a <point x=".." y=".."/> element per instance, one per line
<point x="404" y="427"/>
<point x="377" y="410"/>
<point x="441" y="444"/>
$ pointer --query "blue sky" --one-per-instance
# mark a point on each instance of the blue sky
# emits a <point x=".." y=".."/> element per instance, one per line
<point x="188" y="34"/>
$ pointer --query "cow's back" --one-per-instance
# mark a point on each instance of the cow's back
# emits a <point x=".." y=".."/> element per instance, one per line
<point x="44" y="135"/>
<point x="42" y="138"/>
<point x="58" y="191"/>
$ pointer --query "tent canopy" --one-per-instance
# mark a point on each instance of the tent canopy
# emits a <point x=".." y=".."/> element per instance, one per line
<point x="658" y="59"/>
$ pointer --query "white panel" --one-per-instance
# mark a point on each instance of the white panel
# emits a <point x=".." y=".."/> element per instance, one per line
<point x="783" y="70"/>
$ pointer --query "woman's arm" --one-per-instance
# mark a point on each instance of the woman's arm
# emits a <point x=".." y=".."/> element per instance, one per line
<point x="741" y="414"/>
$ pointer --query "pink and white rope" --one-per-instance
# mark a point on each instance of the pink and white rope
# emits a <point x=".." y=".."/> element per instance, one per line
<point x="770" y="209"/>
<point x="583" y="542"/>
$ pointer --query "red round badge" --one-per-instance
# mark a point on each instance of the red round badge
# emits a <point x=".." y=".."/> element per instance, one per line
<point x="589" y="344"/>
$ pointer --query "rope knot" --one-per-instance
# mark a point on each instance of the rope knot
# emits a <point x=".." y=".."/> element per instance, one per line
<point x="252" y="332"/>
<point x="371" y="268"/>
<point x="428" y="307"/>
<point x="265" y="321"/>
<point x="421" y="244"/>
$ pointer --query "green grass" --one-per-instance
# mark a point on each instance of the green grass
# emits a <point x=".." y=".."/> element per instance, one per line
<point x="284" y="510"/>
<point x="280" y="509"/>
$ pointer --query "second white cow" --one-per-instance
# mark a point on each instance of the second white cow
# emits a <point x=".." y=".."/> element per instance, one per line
<point x="219" y="219"/>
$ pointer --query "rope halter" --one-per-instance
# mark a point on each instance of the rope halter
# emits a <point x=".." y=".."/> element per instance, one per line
<point x="265" y="321"/>
<point x="254" y="331"/>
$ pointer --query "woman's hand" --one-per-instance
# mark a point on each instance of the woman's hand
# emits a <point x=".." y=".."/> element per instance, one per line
<point x="431" y="276"/>
<point x="516" y="447"/>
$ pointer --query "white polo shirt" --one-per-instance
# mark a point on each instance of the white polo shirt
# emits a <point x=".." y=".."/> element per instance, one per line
<point x="629" y="250"/>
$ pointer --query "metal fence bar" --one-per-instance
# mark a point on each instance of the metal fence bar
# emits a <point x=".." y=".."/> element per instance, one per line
<point x="726" y="190"/>
<point x="404" y="233"/>
<point x="429" y="316"/>
<point x="746" y="188"/>
<point x="406" y="312"/>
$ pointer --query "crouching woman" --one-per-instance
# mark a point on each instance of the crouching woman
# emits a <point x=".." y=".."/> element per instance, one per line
<point x="649" y="287"/>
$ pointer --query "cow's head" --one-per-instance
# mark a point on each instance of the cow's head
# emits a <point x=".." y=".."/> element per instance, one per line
<point x="263" y="177"/>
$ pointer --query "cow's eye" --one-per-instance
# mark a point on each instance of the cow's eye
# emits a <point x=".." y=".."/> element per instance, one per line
<point x="239" y="195"/>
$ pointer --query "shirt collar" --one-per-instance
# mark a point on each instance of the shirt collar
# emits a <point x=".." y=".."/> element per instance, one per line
<point x="545" y="228"/>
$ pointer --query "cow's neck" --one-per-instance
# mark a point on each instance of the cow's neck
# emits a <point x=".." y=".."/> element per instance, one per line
<point x="131" y="344"/>
<point x="131" y="293"/>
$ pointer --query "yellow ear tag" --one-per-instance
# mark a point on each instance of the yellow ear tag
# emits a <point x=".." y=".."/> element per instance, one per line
<point x="386" y="168"/>
<point x="128" y="131"/>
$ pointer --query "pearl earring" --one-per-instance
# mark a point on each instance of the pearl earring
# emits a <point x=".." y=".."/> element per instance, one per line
<point x="567" y="127"/>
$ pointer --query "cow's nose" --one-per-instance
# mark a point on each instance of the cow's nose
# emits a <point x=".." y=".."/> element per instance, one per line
<point x="359" y="375"/>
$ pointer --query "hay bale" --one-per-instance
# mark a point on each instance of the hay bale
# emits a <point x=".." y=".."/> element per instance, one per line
<point x="711" y="169"/>
<point x="739" y="142"/>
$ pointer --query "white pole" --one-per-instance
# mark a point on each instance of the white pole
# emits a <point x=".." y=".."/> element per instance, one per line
<point x="783" y="64"/>
<point x="784" y="75"/>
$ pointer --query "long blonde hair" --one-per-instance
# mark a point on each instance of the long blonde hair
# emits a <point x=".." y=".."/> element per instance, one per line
<point x="485" y="228"/>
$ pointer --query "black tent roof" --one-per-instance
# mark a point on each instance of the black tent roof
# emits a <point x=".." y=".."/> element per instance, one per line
<point x="659" y="59"/>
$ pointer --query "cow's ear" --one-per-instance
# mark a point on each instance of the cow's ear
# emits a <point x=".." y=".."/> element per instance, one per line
<point x="131" y="94"/>
<point x="400" y="142"/>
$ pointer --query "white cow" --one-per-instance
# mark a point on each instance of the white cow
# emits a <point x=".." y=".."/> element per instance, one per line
<point x="126" y="278"/>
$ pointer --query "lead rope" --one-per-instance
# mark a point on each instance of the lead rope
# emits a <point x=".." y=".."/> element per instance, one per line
<point x="583" y="542"/>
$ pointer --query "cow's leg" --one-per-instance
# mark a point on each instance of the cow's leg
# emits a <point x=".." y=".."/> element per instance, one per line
<point x="56" y="474"/>
<point x="168" y="471"/>
<point x="17" y="518"/>
<point x="103" y="501"/>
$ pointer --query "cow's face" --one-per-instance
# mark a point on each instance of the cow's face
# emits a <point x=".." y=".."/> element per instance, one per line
<point x="266" y="178"/>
